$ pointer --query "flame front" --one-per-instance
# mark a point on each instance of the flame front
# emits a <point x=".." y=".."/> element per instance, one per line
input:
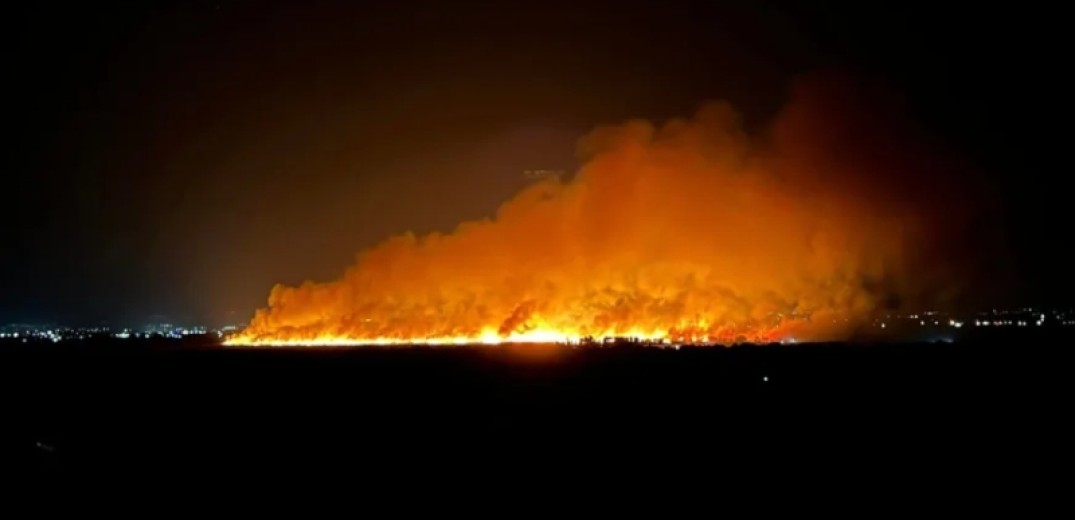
<point x="490" y="337"/>
<point x="685" y="232"/>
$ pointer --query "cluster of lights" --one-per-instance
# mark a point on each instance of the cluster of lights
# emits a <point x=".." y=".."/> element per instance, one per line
<point x="28" y="333"/>
<point x="997" y="318"/>
<point x="1018" y="323"/>
<point x="53" y="335"/>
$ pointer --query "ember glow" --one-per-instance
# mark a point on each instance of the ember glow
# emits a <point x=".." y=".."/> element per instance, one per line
<point x="688" y="231"/>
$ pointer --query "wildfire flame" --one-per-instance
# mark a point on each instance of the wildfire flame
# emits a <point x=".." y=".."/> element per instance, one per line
<point x="686" y="232"/>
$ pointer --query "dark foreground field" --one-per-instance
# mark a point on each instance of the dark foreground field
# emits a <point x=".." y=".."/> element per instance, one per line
<point x="191" y="410"/>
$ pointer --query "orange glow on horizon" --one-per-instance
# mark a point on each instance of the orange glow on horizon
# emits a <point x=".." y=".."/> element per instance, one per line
<point x="490" y="337"/>
<point x="686" y="232"/>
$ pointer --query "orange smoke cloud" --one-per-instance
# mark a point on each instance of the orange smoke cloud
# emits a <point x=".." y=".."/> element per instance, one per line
<point x="690" y="230"/>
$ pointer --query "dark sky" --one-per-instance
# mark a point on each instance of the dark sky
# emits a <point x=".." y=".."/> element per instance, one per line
<point x="181" y="158"/>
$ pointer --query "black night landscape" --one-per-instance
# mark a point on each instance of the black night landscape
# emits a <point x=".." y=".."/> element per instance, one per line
<point x="551" y="243"/>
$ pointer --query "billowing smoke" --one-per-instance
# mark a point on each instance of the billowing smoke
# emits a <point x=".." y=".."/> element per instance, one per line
<point x="688" y="230"/>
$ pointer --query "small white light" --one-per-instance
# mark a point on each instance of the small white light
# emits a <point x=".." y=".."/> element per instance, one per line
<point x="765" y="379"/>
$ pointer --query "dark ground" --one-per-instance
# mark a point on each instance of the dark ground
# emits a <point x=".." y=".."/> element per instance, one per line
<point x="182" y="409"/>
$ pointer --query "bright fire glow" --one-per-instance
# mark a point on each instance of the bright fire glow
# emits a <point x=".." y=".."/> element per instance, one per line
<point x="688" y="232"/>
<point x="489" y="337"/>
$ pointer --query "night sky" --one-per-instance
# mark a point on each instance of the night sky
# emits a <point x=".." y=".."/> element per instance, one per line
<point x="181" y="158"/>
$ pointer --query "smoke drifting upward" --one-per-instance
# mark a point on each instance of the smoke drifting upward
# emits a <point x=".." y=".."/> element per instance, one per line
<point x="689" y="230"/>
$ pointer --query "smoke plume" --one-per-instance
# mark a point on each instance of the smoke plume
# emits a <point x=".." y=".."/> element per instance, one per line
<point x="687" y="230"/>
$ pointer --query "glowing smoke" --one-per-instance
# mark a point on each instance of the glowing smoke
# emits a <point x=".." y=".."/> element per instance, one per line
<point x="687" y="230"/>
